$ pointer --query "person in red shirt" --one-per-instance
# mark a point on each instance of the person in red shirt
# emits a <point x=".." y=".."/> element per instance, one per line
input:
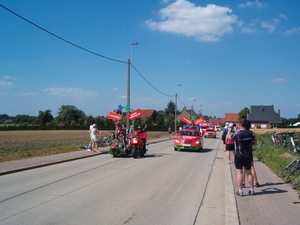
<point x="121" y="130"/>
<point x="142" y="135"/>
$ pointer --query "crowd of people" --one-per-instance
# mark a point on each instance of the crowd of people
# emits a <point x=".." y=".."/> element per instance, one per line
<point x="238" y="140"/>
<point x="120" y="132"/>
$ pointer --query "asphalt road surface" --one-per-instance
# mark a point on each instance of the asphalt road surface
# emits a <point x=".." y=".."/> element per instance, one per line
<point x="164" y="187"/>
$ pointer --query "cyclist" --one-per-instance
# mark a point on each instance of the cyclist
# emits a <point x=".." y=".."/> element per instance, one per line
<point x="243" y="140"/>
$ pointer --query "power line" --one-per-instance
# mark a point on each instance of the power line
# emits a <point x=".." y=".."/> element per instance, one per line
<point x="77" y="46"/>
<point x="180" y="100"/>
<point x="150" y="83"/>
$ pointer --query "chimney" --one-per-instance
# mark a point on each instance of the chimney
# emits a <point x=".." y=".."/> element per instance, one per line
<point x="279" y="111"/>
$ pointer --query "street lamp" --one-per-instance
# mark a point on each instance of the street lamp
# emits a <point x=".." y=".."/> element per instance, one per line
<point x="178" y="85"/>
<point x="128" y="84"/>
<point x="192" y="111"/>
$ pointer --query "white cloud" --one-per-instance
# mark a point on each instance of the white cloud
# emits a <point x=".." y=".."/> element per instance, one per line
<point x="204" y="23"/>
<point x="26" y="94"/>
<point x="247" y="30"/>
<point x="271" y="25"/>
<point x="292" y="31"/>
<point x="5" y="84"/>
<point x="115" y="89"/>
<point x="251" y="4"/>
<point x="71" y="92"/>
<point x="278" y="80"/>
<point x="283" y="16"/>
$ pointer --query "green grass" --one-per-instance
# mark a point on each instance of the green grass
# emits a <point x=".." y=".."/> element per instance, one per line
<point x="275" y="157"/>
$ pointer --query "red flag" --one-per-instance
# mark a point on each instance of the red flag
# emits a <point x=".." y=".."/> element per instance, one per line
<point x="135" y="114"/>
<point x="114" y="116"/>
<point x="199" y="120"/>
<point x="186" y="120"/>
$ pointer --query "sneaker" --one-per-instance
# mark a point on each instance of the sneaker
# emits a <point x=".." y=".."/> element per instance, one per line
<point x="239" y="193"/>
<point x="89" y="150"/>
<point x="256" y="185"/>
<point x="251" y="192"/>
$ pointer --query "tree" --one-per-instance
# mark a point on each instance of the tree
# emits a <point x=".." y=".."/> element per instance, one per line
<point x="243" y="113"/>
<point x="24" y="119"/>
<point x="170" y="108"/>
<point x="44" y="117"/>
<point x="69" y="113"/>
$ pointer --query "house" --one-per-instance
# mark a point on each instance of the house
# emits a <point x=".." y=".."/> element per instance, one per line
<point x="148" y="112"/>
<point x="264" y="116"/>
<point x="229" y="117"/>
<point x="186" y="112"/>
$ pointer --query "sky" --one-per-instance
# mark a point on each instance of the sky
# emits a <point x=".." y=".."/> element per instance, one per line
<point x="218" y="56"/>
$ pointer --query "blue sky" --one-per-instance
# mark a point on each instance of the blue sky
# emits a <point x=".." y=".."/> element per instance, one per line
<point x="226" y="55"/>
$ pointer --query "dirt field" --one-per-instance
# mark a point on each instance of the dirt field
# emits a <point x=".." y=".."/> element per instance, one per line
<point x="14" y="141"/>
<point x="278" y="130"/>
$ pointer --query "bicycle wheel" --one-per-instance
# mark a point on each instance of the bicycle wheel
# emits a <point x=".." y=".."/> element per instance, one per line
<point x="286" y="170"/>
<point x="296" y="183"/>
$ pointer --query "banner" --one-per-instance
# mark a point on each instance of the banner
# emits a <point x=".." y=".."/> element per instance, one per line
<point x="114" y="116"/>
<point x="135" y="114"/>
<point x="186" y="120"/>
<point x="199" y="120"/>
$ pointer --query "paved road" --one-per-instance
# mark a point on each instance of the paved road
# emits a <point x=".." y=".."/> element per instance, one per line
<point x="165" y="187"/>
<point x="275" y="202"/>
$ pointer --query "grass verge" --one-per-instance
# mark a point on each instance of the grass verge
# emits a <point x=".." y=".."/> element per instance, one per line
<point x="275" y="157"/>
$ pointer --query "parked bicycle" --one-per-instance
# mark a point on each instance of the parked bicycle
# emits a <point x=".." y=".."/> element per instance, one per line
<point x="275" y="138"/>
<point x="293" y="168"/>
<point x="296" y="183"/>
<point x="295" y="143"/>
<point x="260" y="145"/>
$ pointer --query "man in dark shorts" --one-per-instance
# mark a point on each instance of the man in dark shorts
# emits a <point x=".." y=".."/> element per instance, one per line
<point x="243" y="140"/>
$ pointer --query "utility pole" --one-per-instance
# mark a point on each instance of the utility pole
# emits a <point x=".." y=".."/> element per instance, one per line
<point x="128" y="93"/>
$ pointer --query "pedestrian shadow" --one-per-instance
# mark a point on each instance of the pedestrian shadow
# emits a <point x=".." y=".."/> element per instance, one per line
<point x="268" y="191"/>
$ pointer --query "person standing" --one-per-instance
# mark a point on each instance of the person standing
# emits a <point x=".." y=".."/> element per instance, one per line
<point x="243" y="141"/>
<point x="170" y="131"/>
<point x="224" y="135"/>
<point x="229" y="146"/>
<point x="94" y="138"/>
<point x="91" y="142"/>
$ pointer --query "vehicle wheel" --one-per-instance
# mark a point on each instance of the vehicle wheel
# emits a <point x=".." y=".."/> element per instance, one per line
<point x="175" y="149"/>
<point x="134" y="153"/>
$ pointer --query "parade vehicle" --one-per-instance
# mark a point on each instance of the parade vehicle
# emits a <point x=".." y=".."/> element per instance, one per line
<point x="203" y="126"/>
<point x="188" y="139"/>
<point x="210" y="132"/>
<point x="218" y="128"/>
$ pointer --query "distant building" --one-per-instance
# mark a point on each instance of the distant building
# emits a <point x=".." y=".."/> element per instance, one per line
<point x="263" y="116"/>
<point x="148" y="113"/>
<point x="186" y="112"/>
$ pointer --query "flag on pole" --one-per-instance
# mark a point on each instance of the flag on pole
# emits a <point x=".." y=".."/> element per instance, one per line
<point x="135" y="114"/>
<point x="114" y="116"/>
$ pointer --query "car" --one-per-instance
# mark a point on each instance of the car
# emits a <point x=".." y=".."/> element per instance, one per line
<point x="203" y="126"/>
<point x="210" y="132"/>
<point x="218" y="127"/>
<point x="188" y="139"/>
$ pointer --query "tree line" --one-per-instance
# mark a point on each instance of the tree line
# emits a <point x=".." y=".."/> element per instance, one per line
<point x="69" y="117"/>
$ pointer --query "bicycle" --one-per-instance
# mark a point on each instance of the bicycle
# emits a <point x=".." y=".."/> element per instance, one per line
<point x="103" y="141"/>
<point x="296" y="183"/>
<point x="290" y="169"/>
<point x="260" y="145"/>
<point x="275" y="138"/>
<point x="284" y="141"/>
<point x="295" y="143"/>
